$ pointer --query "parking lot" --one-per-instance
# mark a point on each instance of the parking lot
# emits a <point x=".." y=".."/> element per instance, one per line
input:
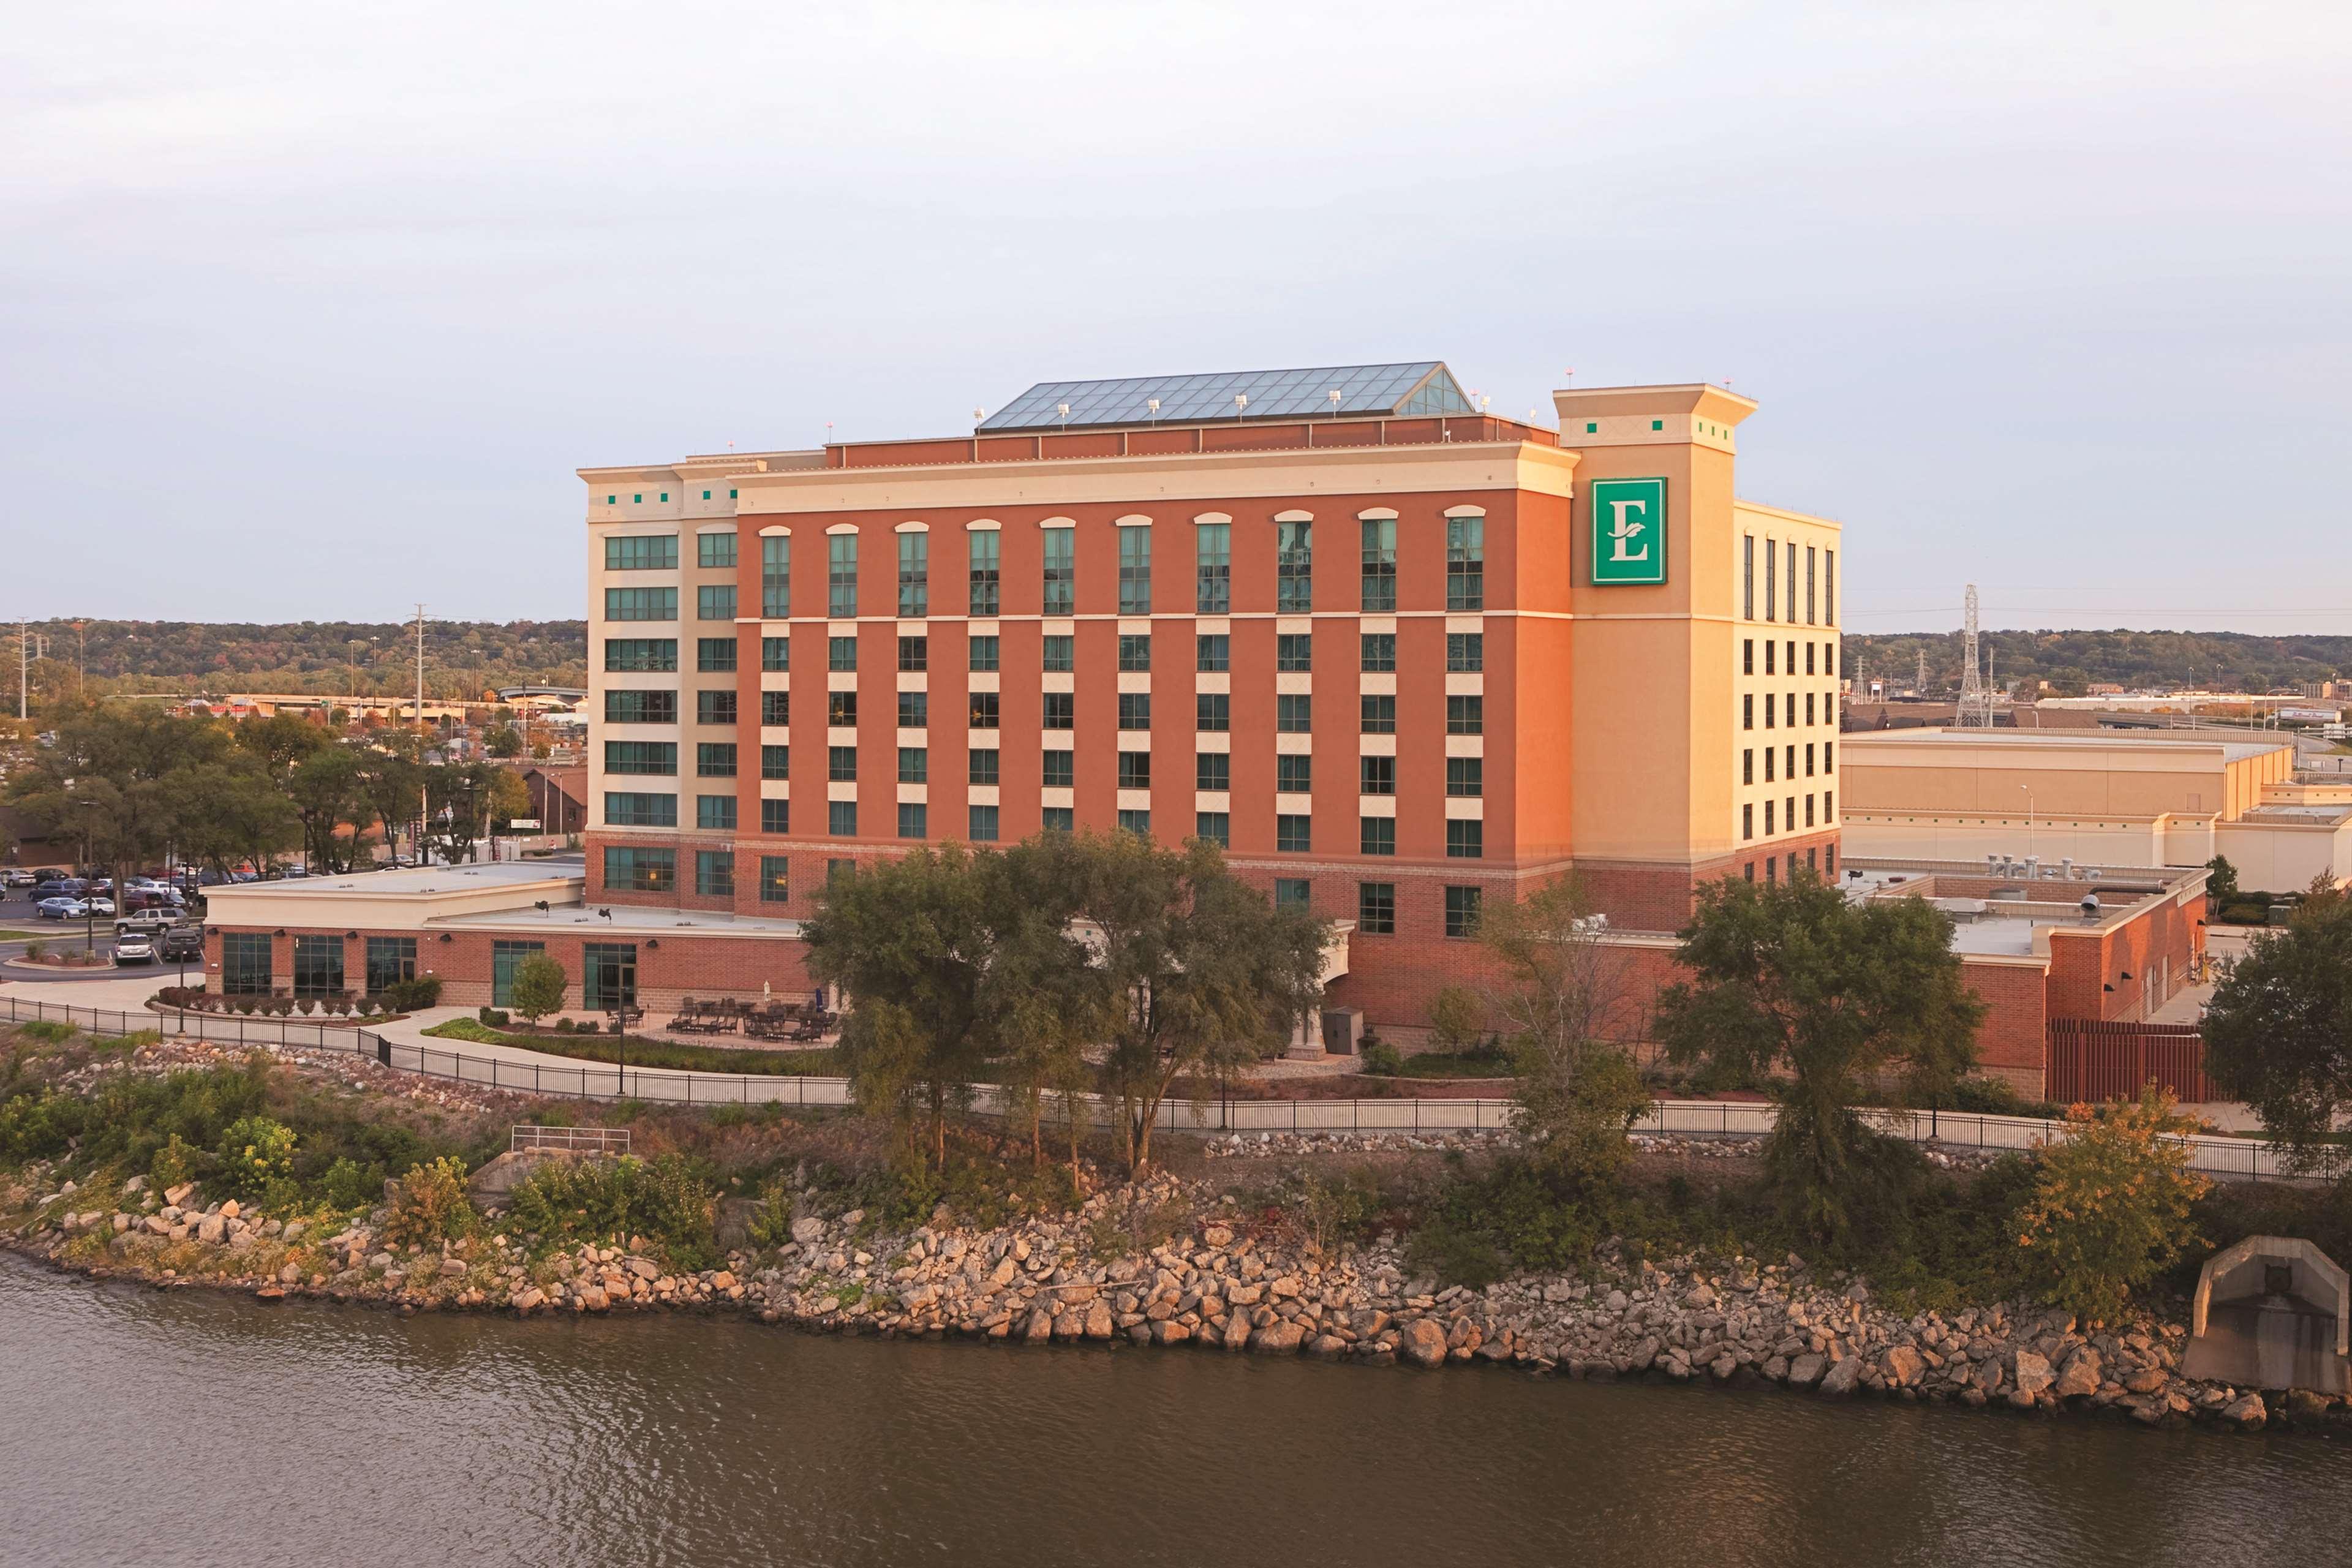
<point x="17" y="916"/>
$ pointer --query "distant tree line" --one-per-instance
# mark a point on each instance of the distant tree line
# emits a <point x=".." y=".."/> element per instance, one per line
<point x="2074" y="660"/>
<point x="361" y="658"/>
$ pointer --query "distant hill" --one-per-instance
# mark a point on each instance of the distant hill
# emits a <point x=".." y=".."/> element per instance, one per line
<point x="360" y="656"/>
<point x="2231" y="661"/>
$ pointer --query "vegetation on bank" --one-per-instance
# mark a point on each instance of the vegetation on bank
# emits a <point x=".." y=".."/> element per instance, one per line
<point x="638" y="1052"/>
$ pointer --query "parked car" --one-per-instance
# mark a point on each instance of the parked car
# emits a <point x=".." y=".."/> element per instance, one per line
<point x="60" y="908"/>
<point x="183" y="941"/>
<point x="21" y="876"/>
<point x="135" y="949"/>
<point x="99" y="906"/>
<point x="61" y="887"/>
<point x="152" y="899"/>
<point x="147" y="922"/>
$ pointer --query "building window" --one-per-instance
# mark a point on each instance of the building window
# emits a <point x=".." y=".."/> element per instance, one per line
<point x="1059" y="654"/>
<point x="1829" y="799"/>
<point x="628" y="706"/>
<point x="390" y="960"/>
<point x="1790" y="772"/>
<point x="775" y="816"/>
<point x="1376" y="835"/>
<point x="714" y="655"/>
<point x="775" y="880"/>
<point x="1771" y="578"/>
<point x="642" y="553"/>
<point x="1809" y="659"/>
<point x="640" y="603"/>
<point x="1466" y="563"/>
<point x="506" y="957"/>
<point x="1294" y="567"/>
<point x="1060" y="770"/>
<point x="841" y="818"/>
<point x="1134" y="648"/>
<point x="1293" y="713"/>
<point x="1057" y="713"/>
<point x="626" y="809"/>
<point x="1747" y="710"/>
<point x="1135" y="711"/>
<point x="1768" y="819"/>
<point x="1829" y="592"/>
<point x="775" y="654"/>
<point x="984" y="710"/>
<point x="1379" y="714"/>
<point x="1294" y="774"/>
<point x="914" y="710"/>
<point x="841" y="654"/>
<point x="714" y="551"/>
<point x="984" y="544"/>
<point x="647" y="757"/>
<point x="1771" y="657"/>
<point x="1292" y="834"/>
<point x="1292" y="893"/>
<point x="1748" y="870"/>
<point x="635" y="655"/>
<point x="1809" y="760"/>
<point x="1747" y="578"/>
<point x="1376" y="909"/>
<point x="1793" y="621"/>
<point x="1057" y="819"/>
<point x="1213" y="712"/>
<point x="1213" y="653"/>
<point x="1135" y="822"/>
<point x="982" y="820"/>
<point x="714" y="760"/>
<point x="1747" y="656"/>
<point x="841" y="575"/>
<point x="637" y="869"/>
<point x="1462" y="910"/>
<point x="1771" y="757"/>
<point x="715" y="602"/>
<point x="715" y="813"/>
<point x="1768" y="707"/>
<point x="1213" y="770"/>
<point x="1134" y="571"/>
<point x="1809" y="811"/>
<point x="776" y="576"/>
<point x="981" y="767"/>
<point x="914" y="764"/>
<point x="317" y="965"/>
<point x="776" y="708"/>
<point x="1061" y="575"/>
<point x="1380" y="565"/>
<point x="1376" y="775"/>
<point x="1771" y="867"/>
<point x="608" y="975"/>
<point x="775" y="761"/>
<point x="1748" y="766"/>
<point x="1213" y="571"/>
<point x="244" y="964"/>
<point x="914" y="820"/>
<point x="1747" y="822"/>
<point x="1464" y="840"/>
<point x="1828" y="758"/>
<point x="714" y="873"/>
<point x="1213" y="827"/>
<point x="714" y="708"/>
<point x="914" y="576"/>
<point x="841" y="764"/>
<point x="1808" y="707"/>
<point x="1380" y="653"/>
<point x="1466" y="715"/>
<point x="1135" y="770"/>
<point x="983" y="652"/>
<point x="1465" y="653"/>
<point x="1466" y="777"/>
<point x="841" y="709"/>
<point x="914" y="654"/>
<point x="1294" y="652"/>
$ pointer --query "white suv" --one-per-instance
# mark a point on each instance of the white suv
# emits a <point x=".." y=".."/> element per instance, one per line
<point x="136" y="948"/>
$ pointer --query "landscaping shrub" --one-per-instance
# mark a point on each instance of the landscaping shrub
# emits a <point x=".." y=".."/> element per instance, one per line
<point x="40" y="1127"/>
<point x="663" y="1199"/>
<point x="1382" y="1060"/>
<point x="37" y="949"/>
<point x="48" y="1031"/>
<point x="496" y="1018"/>
<point x="2113" y="1206"/>
<point x="413" y="995"/>
<point x="1994" y="1097"/>
<point x="429" y="1205"/>
<point x="1516" y="1216"/>
<point x="348" y="1185"/>
<point x="257" y="1152"/>
<point x="174" y="1162"/>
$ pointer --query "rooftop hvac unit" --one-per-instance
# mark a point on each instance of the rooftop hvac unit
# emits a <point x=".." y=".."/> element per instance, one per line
<point x="2093" y="873"/>
<point x="2066" y="869"/>
<point x="2033" y="868"/>
<point x="1992" y="865"/>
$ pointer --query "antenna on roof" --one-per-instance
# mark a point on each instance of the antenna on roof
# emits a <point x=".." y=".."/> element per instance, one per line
<point x="1153" y="403"/>
<point x="1241" y="401"/>
<point x="1334" y="395"/>
<point x="1065" y="409"/>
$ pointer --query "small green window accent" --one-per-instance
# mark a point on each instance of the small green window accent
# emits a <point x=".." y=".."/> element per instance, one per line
<point x="1657" y="424"/>
<point x="665" y="495"/>
<point x="637" y="499"/>
<point x="731" y="495"/>
<point x="706" y="495"/>
<point x="1592" y="427"/>
<point x="612" y="501"/>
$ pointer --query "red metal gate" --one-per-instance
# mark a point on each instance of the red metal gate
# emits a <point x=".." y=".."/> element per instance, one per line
<point x="2089" y="1061"/>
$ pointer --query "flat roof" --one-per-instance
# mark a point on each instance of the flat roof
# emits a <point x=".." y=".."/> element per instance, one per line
<point x="637" y="919"/>
<point x="417" y="881"/>
<point x="2235" y="750"/>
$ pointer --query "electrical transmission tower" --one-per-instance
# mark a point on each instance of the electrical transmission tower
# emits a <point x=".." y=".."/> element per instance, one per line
<point x="1974" y="696"/>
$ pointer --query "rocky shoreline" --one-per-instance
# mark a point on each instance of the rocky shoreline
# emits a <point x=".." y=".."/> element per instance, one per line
<point x="1169" y="1263"/>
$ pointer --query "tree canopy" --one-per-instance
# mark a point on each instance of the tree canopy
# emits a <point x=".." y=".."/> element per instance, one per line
<point x="2278" y="1033"/>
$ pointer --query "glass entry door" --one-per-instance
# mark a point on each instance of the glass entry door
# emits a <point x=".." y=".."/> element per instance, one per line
<point x="609" y="976"/>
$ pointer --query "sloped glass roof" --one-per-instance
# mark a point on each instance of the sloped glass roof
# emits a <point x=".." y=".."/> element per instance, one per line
<point x="1424" y="387"/>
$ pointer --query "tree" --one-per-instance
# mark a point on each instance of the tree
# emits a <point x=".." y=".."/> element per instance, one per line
<point x="392" y="782"/>
<point x="106" y="783"/>
<point x="2112" y="1204"/>
<point x="537" y="986"/>
<point x="1046" y="998"/>
<point x="509" y="797"/>
<point x="2278" y="1033"/>
<point x="1796" y="985"/>
<point x="282" y="740"/>
<point x="329" y="795"/>
<point x="1564" y="995"/>
<point x="503" y="741"/>
<point x="1457" y="1019"/>
<point x="2222" y="887"/>
<point x="1201" y="971"/>
<point x="230" y="811"/>
<point x="909" y="939"/>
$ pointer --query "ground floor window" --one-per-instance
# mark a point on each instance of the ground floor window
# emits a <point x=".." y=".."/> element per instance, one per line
<point x="390" y="959"/>
<point x="714" y="874"/>
<point x="640" y="870"/>
<point x="608" y="975"/>
<point x="1291" y="893"/>
<point x="1462" y="907"/>
<point x="1376" y="908"/>
<point x="775" y="880"/>
<point x="317" y="965"/>
<point x="506" y="957"/>
<point x="244" y="964"/>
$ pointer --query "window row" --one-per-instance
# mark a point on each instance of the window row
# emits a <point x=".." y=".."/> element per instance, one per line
<point x="1779" y="714"/>
<point x="1788" y="769"/>
<point x="1780" y="585"/>
<point x="1376" y="653"/>
<point x="1784" y="819"/>
<point x="1773" y="660"/>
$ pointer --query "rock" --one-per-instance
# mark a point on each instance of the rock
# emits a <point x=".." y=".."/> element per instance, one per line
<point x="2248" y="1412"/>
<point x="1282" y="1339"/>
<point x="1098" y="1320"/>
<point x="2147" y="1380"/>
<point x="1039" y="1327"/>
<point x="1327" y="1346"/>
<point x="135" y="1184"/>
<point x="722" y="1281"/>
<point x="176" y="1196"/>
<point x="452" y="1266"/>
<point x="230" y="1209"/>
<point x="808" y="1230"/>
<point x="2081" y="1375"/>
<point x="211" y="1228"/>
<point x="1424" y="1342"/>
<point x="1169" y="1332"/>
<point x="1237" y="1333"/>
<point x="2032" y="1373"/>
<point x="530" y="1300"/>
<point x="2304" y="1407"/>
<point x="1004" y="1274"/>
<point x="643" y="1267"/>
<point x="1218" y="1236"/>
<point x="596" y="1300"/>
<point x="1902" y="1365"/>
<point x="1842" y="1377"/>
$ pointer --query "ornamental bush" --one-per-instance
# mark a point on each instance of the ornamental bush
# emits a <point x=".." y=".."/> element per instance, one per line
<point x="174" y="1162"/>
<point x="430" y="1206"/>
<point x="2111" y="1207"/>
<point x="255" y="1152"/>
<point x="663" y="1198"/>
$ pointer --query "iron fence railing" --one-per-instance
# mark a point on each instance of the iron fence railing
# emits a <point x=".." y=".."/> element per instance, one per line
<point x="2219" y="1156"/>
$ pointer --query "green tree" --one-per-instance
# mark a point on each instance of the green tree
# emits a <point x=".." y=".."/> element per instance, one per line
<point x="908" y="939"/>
<point x="1203" y="971"/>
<point x="1457" y="1019"/>
<point x="2278" y="1033"/>
<point x="2112" y="1204"/>
<point x="537" y="986"/>
<point x="503" y="741"/>
<point x="1564" y="994"/>
<point x="1047" y="999"/>
<point x="329" y="796"/>
<point x="391" y="783"/>
<point x="1822" y="997"/>
<point x="2222" y="887"/>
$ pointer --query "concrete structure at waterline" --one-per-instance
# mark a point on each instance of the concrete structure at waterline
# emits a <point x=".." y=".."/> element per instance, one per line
<point x="2273" y="1312"/>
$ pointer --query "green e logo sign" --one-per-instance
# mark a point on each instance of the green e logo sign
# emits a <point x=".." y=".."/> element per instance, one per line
<point x="1629" y="531"/>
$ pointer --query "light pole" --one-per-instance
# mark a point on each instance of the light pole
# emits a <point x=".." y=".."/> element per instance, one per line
<point x="2029" y="819"/>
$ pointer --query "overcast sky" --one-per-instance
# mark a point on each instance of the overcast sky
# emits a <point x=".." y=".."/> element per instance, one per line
<point x="309" y="313"/>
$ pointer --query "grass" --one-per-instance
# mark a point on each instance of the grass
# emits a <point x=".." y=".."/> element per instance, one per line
<point x="23" y="935"/>
<point x="1458" y="1064"/>
<point x="650" y="1054"/>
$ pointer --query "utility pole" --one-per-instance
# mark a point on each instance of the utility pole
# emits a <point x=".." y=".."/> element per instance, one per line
<point x="1973" y="694"/>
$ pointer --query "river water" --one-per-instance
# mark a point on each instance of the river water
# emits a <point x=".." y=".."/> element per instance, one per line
<point x="139" y="1426"/>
